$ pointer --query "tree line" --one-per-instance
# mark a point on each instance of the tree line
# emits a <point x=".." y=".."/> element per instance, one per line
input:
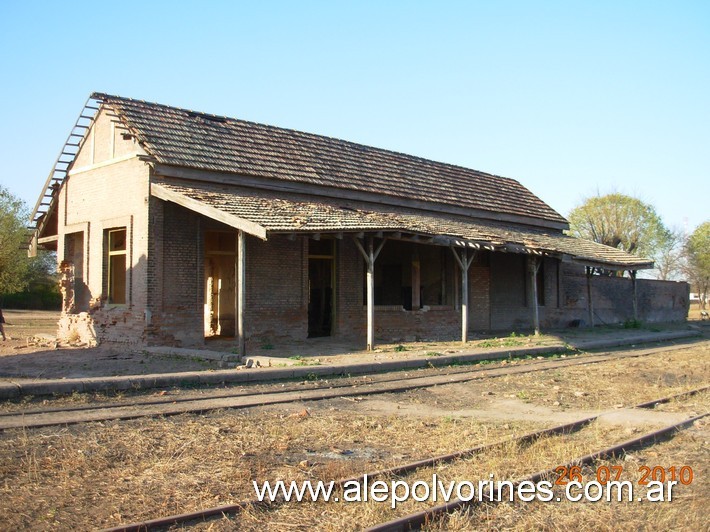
<point x="25" y="282"/>
<point x="627" y="223"/>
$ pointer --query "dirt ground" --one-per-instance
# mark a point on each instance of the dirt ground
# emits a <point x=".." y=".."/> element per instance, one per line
<point x="103" y="474"/>
<point x="31" y="352"/>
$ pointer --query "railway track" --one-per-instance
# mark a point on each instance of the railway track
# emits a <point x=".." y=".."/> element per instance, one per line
<point x="168" y="406"/>
<point x="415" y="520"/>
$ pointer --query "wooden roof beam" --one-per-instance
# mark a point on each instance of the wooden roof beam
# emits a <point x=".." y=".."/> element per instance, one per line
<point x="204" y="209"/>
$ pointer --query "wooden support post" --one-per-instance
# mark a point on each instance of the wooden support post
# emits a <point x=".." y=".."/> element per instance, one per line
<point x="464" y="299"/>
<point x="370" y="256"/>
<point x="464" y="263"/>
<point x="241" y="289"/>
<point x="533" y="268"/>
<point x="416" y="282"/>
<point x="590" y="305"/>
<point x="370" y="296"/>
<point x="634" y="295"/>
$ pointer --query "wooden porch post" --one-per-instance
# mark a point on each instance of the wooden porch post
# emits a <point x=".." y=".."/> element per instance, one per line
<point x="464" y="263"/>
<point x="241" y="288"/>
<point x="416" y="282"/>
<point x="370" y="257"/>
<point x="634" y="298"/>
<point x="370" y="296"/>
<point x="590" y="305"/>
<point x="533" y="268"/>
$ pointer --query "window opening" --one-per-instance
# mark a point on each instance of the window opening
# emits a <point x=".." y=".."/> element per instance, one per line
<point x="117" y="266"/>
<point x="407" y="274"/>
<point x="540" y="280"/>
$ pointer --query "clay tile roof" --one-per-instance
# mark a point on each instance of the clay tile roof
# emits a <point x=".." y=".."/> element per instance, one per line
<point x="281" y="213"/>
<point x="179" y="137"/>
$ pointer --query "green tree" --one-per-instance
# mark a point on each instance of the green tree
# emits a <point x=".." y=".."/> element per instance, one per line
<point x="24" y="282"/>
<point x="14" y="236"/>
<point x="668" y="257"/>
<point x="697" y="260"/>
<point x="620" y="221"/>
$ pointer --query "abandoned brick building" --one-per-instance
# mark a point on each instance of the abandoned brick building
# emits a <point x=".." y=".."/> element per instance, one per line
<point x="173" y="226"/>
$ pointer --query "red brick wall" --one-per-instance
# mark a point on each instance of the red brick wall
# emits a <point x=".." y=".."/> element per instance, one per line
<point x="110" y="194"/>
<point x="350" y="317"/>
<point x="166" y="292"/>
<point x="277" y="290"/>
<point x="612" y="298"/>
<point x="441" y="322"/>
<point x="175" y="276"/>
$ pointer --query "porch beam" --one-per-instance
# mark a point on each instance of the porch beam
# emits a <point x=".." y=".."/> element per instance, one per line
<point x="464" y="262"/>
<point x="634" y="294"/>
<point x="534" y="267"/>
<point x="199" y="207"/>
<point x="241" y="289"/>
<point x="370" y="255"/>
<point x="590" y="305"/>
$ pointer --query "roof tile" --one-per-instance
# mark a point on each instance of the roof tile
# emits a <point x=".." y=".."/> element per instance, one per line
<point x="196" y="140"/>
<point x="291" y="213"/>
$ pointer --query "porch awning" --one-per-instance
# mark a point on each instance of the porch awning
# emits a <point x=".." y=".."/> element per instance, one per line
<point x="262" y="213"/>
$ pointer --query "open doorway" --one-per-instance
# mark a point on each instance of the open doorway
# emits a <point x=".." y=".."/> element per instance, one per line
<point x="321" y="287"/>
<point x="220" y="284"/>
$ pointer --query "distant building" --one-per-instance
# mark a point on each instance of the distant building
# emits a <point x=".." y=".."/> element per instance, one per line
<point x="173" y="226"/>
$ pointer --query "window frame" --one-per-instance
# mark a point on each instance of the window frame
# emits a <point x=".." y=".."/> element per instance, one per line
<point x="111" y="269"/>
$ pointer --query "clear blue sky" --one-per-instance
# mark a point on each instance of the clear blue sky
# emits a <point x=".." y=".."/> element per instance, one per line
<point x="570" y="98"/>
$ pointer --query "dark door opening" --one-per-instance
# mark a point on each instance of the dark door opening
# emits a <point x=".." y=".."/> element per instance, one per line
<point x="320" y="297"/>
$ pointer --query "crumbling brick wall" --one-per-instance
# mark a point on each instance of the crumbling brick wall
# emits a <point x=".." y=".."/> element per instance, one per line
<point x="612" y="298"/>
<point x="107" y="188"/>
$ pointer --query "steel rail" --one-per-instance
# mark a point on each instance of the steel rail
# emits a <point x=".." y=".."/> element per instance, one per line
<point x="664" y="400"/>
<point x="575" y="359"/>
<point x="415" y="520"/>
<point x="396" y="470"/>
<point x="172" y="406"/>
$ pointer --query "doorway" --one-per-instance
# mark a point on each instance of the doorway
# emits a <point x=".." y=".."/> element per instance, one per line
<point x="321" y="287"/>
<point x="220" y="284"/>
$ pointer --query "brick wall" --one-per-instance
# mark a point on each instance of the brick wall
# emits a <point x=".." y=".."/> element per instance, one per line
<point x="511" y="293"/>
<point x="276" y="281"/>
<point x="175" y="276"/>
<point x="350" y="317"/>
<point x="96" y="197"/>
<point x="109" y="188"/>
<point x="507" y="296"/>
<point x="393" y="324"/>
<point x="612" y="298"/>
<point x="479" y="286"/>
<point x="277" y="290"/>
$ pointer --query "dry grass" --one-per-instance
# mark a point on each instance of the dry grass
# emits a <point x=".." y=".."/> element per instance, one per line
<point x="624" y="382"/>
<point x="108" y="473"/>
<point x="508" y="462"/>
<point x="685" y="512"/>
<point x="104" y="474"/>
